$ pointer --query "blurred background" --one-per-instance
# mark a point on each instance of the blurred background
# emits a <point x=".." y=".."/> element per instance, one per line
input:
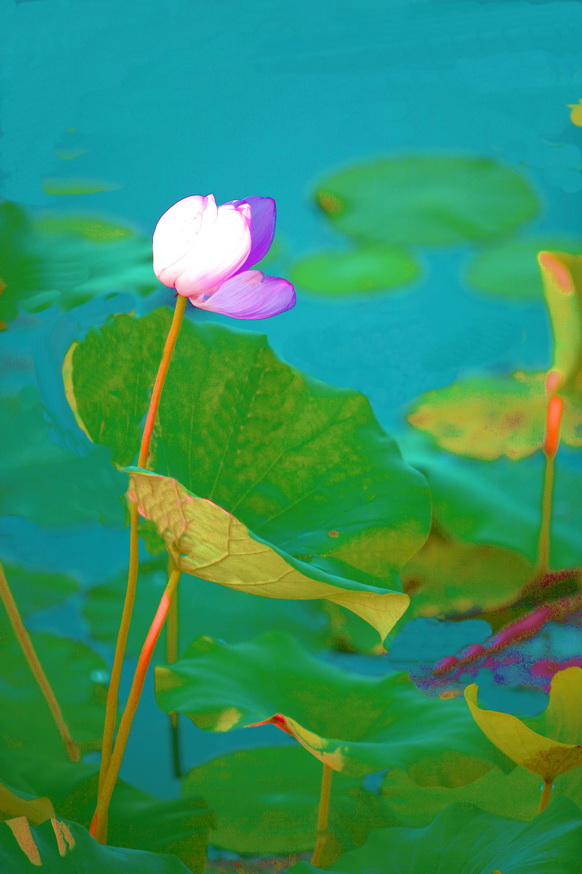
<point x="111" y="112"/>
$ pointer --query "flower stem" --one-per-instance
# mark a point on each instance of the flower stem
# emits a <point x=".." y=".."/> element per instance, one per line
<point x="171" y="656"/>
<point x="322" y="815"/>
<point x="35" y="666"/>
<point x="113" y="691"/>
<point x="99" y="824"/>
<point x="546" y="792"/>
<point x="551" y="445"/>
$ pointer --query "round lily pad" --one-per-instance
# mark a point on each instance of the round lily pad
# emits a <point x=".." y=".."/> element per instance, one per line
<point x="361" y="271"/>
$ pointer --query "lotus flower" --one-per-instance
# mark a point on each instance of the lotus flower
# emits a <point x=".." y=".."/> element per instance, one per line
<point x="204" y="252"/>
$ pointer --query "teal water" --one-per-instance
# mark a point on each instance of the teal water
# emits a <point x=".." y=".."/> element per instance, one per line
<point x="166" y="99"/>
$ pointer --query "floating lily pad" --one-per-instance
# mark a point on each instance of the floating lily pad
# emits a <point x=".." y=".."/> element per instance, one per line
<point x="562" y="279"/>
<point x="203" y="608"/>
<point x="67" y="262"/>
<point x="37" y="590"/>
<point x="360" y="271"/>
<point x="76" y="675"/>
<point x="428" y="199"/>
<point x="510" y="269"/>
<point x="516" y="795"/>
<point x="50" y="485"/>
<point x="266" y="801"/>
<point x="206" y="541"/>
<point x="487" y="417"/>
<point x="354" y="723"/>
<point x="549" y="744"/>
<point x="67" y="847"/>
<point x="466" y="840"/>
<point x="304" y="466"/>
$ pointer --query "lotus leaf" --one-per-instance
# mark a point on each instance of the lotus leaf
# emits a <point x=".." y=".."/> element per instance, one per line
<point x="360" y="271"/>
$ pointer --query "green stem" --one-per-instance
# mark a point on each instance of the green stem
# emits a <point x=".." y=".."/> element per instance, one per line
<point x="547" y="791"/>
<point x="99" y="824"/>
<point x="113" y="691"/>
<point x="35" y="666"/>
<point x="322" y="815"/>
<point x="171" y="656"/>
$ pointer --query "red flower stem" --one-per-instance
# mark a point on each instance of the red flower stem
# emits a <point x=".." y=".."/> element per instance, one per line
<point x="551" y="445"/>
<point x="322" y="815"/>
<point x="546" y="793"/>
<point x="120" y="647"/>
<point x="99" y="823"/>
<point x="35" y="666"/>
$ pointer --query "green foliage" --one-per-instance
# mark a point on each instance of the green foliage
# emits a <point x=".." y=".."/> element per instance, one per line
<point x="354" y="723"/>
<point x="430" y="200"/>
<point x="67" y="848"/>
<point x="360" y="271"/>
<point x="266" y="800"/>
<point x="47" y="484"/>
<point x="562" y="278"/>
<point x="37" y="590"/>
<point x="466" y="840"/>
<point x="67" y="260"/>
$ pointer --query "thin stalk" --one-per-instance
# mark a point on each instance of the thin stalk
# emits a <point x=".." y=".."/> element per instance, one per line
<point x="171" y="656"/>
<point x="546" y="793"/>
<point x="99" y="824"/>
<point x="322" y="815"/>
<point x="35" y="666"/>
<point x="551" y="445"/>
<point x="113" y="691"/>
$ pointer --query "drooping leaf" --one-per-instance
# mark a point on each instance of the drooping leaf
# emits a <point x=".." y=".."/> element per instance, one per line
<point x="304" y="466"/>
<point x="67" y="848"/>
<point x="510" y="269"/>
<point x="354" y="723"/>
<point x="427" y="199"/>
<point x="36" y="589"/>
<point x="76" y="675"/>
<point x="466" y="840"/>
<point x="487" y="417"/>
<point x="67" y="260"/>
<point x="547" y="745"/>
<point x="516" y="795"/>
<point x="206" y="541"/>
<point x="203" y="608"/>
<point x="50" y="485"/>
<point x="266" y="801"/>
<point x="562" y="280"/>
<point x="13" y="804"/>
<point x="360" y="271"/>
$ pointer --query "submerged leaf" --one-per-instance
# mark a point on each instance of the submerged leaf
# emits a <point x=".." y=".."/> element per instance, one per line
<point x="466" y="840"/>
<point x="354" y="723"/>
<point x="427" y="199"/>
<point x="547" y="745"/>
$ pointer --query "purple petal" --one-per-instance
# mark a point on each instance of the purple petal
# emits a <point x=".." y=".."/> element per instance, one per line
<point x="263" y="218"/>
<point x="250" y="295"/>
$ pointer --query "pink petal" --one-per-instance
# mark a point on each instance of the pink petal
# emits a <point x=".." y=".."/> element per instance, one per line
<point x="197" y="245"/>
<point x="249" y="295"/>
<point x="263" y="218"/>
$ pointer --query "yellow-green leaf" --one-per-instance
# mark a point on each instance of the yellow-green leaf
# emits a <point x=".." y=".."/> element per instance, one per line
<point x="562" y="279"/>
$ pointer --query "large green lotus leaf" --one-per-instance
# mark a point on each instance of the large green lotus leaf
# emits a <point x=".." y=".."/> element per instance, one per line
<point x="488" y="417"/>
<point x="515" y="795"/>
<point x="510" y="269"/>
<point x="427" y="199"/>
<point x="450" y="577"/>
<point x="76" y="675"/>
<point x="266" y="800"/>
<point x="360" y="271"/>
<point x="137" y="820"/>
<point x="67" y="260"/>
<point x="466" y="840"/>
<point x="203" y="609"/>
<point x="206" y="541"/>
<point x="13" y="804"/>
<point x="48" y="484"/>
<point x="37" y="590"/>
<point x="562" y="279"/>
<point x="303" y="465"/>
<point x="354" y="723"/>
<point x="67" y="848"/>
<point x="498" y="503"/>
